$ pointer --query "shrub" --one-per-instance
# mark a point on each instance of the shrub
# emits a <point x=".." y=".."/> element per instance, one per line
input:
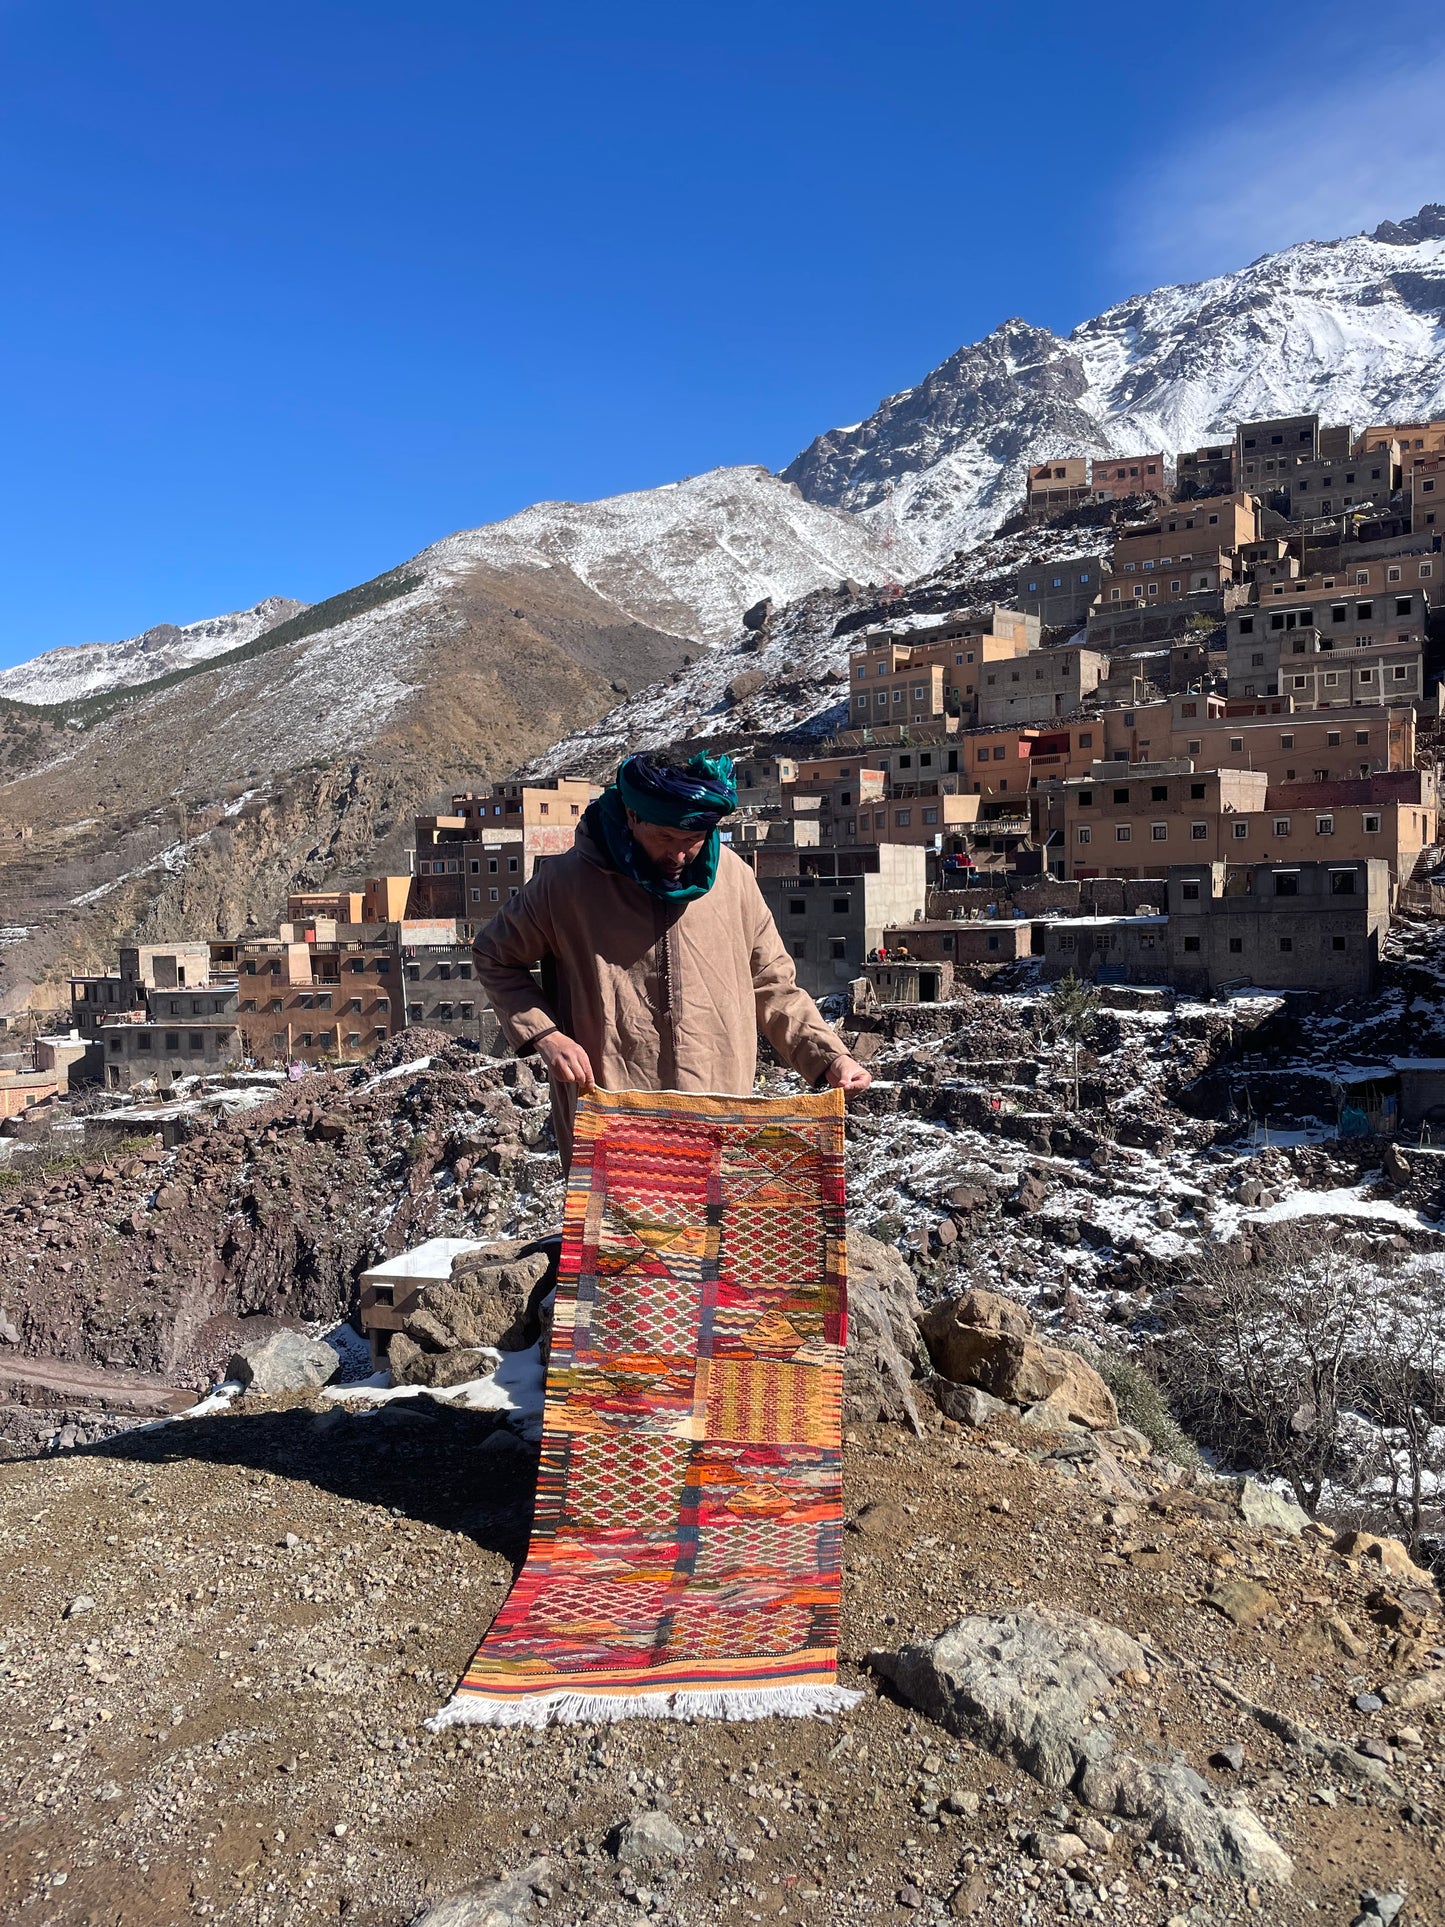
<point x="1141" y="1402"/>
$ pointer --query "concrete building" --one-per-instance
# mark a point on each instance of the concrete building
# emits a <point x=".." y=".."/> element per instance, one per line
<point x="99" y="999"/>
<point x="1369" y="619"/>
<point x="1332" y="484"/>
<point x="829" y="923"/>
<point x="761" y="780"/>
<point x="933" y="673"/>
<point x="438" y="982"/>
<point x="1133" y="820"/>
<point x="1041" y="687"/>
<point x="1118" y="477"/>
<point x="189" y="1033"/>
<point x="1292" y="746"/>
<point x="1107" y="950"/>
<point x="1266" y="450"/>
<point x="1387" y="818"/>
<point x="331" y="1001"/>
<point x="1427" y="494"/>
<point x="1060" y="593"/>
<point x="69" y="1056"/>
<point x="1317" y="926"/>
<point x="1204" y="471"/>
<point x="1055" y="487"/>
<point x="985" y="940"/>
<point x="932" y="816"/>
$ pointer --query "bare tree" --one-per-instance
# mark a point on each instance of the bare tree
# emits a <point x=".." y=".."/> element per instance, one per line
<point x="1322" y="1364"/>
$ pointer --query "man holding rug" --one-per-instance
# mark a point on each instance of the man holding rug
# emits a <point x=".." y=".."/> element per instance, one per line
<point x="660" y="959"/>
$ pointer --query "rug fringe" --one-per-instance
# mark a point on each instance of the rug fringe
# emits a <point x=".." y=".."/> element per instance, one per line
<point x="569" y="1709"/>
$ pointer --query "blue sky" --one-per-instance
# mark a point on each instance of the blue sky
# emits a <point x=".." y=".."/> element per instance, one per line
<point x="288" y="291"/>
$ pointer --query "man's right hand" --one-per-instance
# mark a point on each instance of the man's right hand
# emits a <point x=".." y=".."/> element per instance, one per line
<point x="566" y="1060"/>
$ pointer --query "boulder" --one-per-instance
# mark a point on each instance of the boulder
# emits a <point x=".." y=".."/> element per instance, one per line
<point x="1025" y="1686"/>
<point x="507" y="1902"/>
<point x="648" y="1838"/>
<point x="883" y="1351"/>
<point x="411" y="1365"/>
<point x="283" y="1361"/>
<point x="759" y="615"/>
<point x="986" y="1340"/>
<point x="1270" y="1511"/>
<point x="494" y="1295"/>
<point x="1389" y="1554"/>
<point x="745" y="685"/>
<point x="965" y="1404"/>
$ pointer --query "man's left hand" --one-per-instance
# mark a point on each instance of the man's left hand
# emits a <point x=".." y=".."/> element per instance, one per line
<point x="848" y="1075"/>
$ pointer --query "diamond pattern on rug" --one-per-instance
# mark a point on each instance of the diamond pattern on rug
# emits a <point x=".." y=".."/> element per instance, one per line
<point x="687" y="1535"/>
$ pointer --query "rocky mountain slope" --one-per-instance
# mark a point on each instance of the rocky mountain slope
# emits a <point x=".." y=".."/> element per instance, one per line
<point x="690" y="556"/>
<point x="190" y="806"/>
<point x="1352" y="328"/>
<point x="791" y="676"/>
<point x="66" y="675"/>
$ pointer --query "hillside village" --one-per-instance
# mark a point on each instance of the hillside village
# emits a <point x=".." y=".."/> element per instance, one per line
<point x="1121" y="878"/>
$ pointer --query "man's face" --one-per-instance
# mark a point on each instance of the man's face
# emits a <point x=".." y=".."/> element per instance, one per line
<point x="669" y="850"/>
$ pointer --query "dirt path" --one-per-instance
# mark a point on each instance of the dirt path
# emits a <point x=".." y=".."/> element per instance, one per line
<point x="54" y="1381"/>
<point x="221" y="1637"/>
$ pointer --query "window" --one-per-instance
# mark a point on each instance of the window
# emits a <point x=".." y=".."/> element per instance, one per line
<point x="1332" y="739"/>
<point x="1400" y="672"/>
<point x="1191" y="943"/>
<point x="1123" y="832"/>
<point x="173" y="1040"/>
<point x="1337" y="612"/>
<point x="800" y="949"/>
<point x="1364" y="612"/>
<point x="1159" y="832"/>
<point x="354" y="1004"/>
<point x="1236" y="945"/>
<point x="512" y="866"/>
<point x="999" y="753"/>
<point x="797" y="906"/>
<point x="1066" y="940"/>
<point x="1286" y="742"/>
<point x="1324" y="825"/>
<point x="838" y="949"/>
<point x="1121" y="796"/>
<point x="1196" y="745"/>
<point x="1159" y="793"/>
<point x="1372" y="823"/>
<point x="1286" y="944"/>
<point x="1085" y="834"/>
<point x="1240" y="827"/>
<point x="1237" y="742"/>
<point x="493" y="895"/>
<point x="413" y="973"/>
<point x="196" y="1040"/>
<point x="1342" y="883"/>
<point x="1246" y="625"/>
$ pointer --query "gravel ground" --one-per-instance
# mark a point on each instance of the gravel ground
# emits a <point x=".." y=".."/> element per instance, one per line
<point x="221" y="1637"/>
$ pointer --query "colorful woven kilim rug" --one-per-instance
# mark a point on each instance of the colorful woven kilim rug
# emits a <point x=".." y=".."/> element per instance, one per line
<point x="685" y="1551"/>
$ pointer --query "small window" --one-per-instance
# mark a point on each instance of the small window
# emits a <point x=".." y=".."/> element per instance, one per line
<point x="1159" y="832"/>
<point x="1085" y="834"/>
<point x="1337" y="943"/>
<point x="173" y="1040"/>
<point x="1324" y="825"/>
<point x="797" y="906"/>
<point x="1241" y="829"/>
<point x="1236" y="945"/>
<point x="1286" y="944"/>
<point x="1281" y="826"/>
<point x="1332" y="739"/>
<point x="1189" y="889"/>
<point x="1362" y="736"/>
<point x="1121" y="796"/>
<point x="800" y="949"/>
<point x="1342" y="883"/>
<point x="1123" y="832"/>
<point x="1198" y="832"/>
<point x="1372" y="823"/>
<point x="1191" y="943"/>
<point x="1286" y="742"/>
<point x="840" y="906"/>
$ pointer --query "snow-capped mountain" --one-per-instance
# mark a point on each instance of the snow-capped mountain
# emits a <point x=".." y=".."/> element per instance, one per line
<point x="1354" y="329"/>
<point x="690" y="556"/>
<point x="66" y="675"/>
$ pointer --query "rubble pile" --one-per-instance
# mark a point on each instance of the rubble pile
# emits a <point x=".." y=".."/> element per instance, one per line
<point x="161" y="1260"/>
